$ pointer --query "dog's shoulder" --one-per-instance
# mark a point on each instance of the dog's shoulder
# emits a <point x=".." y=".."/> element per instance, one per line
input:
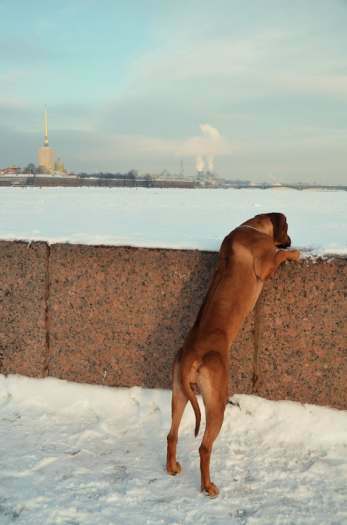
<point x="234" y="250"/>
<point x="242" y="246"/>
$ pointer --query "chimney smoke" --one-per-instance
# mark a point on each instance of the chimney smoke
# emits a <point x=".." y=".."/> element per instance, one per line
<point x="200" y="164"/>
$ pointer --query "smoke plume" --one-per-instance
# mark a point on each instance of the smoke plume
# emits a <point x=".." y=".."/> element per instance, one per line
<point x="206" y="147"/>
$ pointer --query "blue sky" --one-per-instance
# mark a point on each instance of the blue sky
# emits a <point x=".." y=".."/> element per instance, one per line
<point x="258" y="88"/>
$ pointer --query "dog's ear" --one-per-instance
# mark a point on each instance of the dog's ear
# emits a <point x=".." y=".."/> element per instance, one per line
<point x="279" y="224"/>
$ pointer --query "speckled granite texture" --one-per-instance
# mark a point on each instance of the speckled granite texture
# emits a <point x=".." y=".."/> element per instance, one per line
<point x="301" y="344"/>
<point x="23" y="293"/>
<point x="117" y="315"/>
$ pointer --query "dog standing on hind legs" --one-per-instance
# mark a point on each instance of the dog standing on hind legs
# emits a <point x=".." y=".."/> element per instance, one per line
<point x="249" y="255"/>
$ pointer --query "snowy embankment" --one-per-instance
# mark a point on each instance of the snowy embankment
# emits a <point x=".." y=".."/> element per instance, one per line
<point x="169" y="218"/>
<point x="82" y="454"/>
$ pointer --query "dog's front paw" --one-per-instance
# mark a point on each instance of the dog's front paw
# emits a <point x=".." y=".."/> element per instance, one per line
<point x="210" y="490"/>
<point x="294" y="255"/>
<point x="173" y="469"/>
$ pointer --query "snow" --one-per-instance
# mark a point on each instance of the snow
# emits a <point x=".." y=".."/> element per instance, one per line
<point x="169" y="218"/>
<point x="86" y="454"/>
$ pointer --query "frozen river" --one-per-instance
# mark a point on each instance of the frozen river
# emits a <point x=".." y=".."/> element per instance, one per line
<point x="170" y="218"/>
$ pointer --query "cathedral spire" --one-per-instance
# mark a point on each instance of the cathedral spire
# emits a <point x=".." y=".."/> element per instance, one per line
<point x="46" y="153"/>
<point x="46" y="128"/>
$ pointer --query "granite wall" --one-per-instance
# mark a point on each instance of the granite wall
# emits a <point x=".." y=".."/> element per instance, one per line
<point x="117" y="315"/>
<point x="23" y="308"/>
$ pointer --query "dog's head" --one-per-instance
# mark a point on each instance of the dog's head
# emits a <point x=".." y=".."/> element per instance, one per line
<point x="280" y="229"/>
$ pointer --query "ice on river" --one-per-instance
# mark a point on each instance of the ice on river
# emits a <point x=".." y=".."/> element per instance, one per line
<point x="169" y="218"/>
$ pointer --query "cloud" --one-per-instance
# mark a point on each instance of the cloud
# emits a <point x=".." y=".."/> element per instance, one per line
<point x="209" y="142"/>
<point x="329" y="84"/>
<point x="10" y="103"/>
<point x="230" y="68"/>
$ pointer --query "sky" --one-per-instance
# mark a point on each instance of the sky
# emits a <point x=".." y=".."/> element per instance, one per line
<point x="255" y="89"/>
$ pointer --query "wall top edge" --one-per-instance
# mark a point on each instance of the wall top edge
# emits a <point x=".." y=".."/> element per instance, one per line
<point x="307" y="255"/>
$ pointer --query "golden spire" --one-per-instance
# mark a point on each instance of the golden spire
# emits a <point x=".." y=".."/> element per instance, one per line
<point x="46" y="128"/>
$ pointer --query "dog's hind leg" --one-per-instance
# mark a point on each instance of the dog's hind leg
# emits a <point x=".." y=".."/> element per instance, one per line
<point x="213" y="383"/>
<point x="178" y="404"/>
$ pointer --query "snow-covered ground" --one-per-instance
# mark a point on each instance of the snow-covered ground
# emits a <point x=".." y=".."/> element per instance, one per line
<point x="171" y="218"/>
<point x="82" y="454"/>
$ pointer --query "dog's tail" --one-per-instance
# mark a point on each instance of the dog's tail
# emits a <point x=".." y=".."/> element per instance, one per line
<point x="189" y="392"/>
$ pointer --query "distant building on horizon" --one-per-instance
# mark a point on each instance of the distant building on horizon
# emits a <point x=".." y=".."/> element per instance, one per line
<point x="46" y="154"/>
<point x="59" y="166"/>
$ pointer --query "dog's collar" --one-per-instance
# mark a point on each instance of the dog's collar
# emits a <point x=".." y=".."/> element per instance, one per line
<point x="251" y="227"/>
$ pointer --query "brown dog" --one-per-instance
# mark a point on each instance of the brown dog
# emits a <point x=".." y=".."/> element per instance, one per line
<point x="249" y="255"/>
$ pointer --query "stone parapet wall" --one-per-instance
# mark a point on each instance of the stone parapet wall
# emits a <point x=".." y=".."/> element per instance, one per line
<point x="116" y="316"/>
<point x="23" y="308"/>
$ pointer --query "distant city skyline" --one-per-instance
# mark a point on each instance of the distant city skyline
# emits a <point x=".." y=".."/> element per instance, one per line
<point x="258" y="89"/>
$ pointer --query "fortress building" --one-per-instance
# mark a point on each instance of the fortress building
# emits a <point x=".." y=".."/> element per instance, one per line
<point x="46" y="154"/>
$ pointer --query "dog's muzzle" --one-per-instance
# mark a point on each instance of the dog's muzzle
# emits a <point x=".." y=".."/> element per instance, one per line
<point x="286" y="244"/>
